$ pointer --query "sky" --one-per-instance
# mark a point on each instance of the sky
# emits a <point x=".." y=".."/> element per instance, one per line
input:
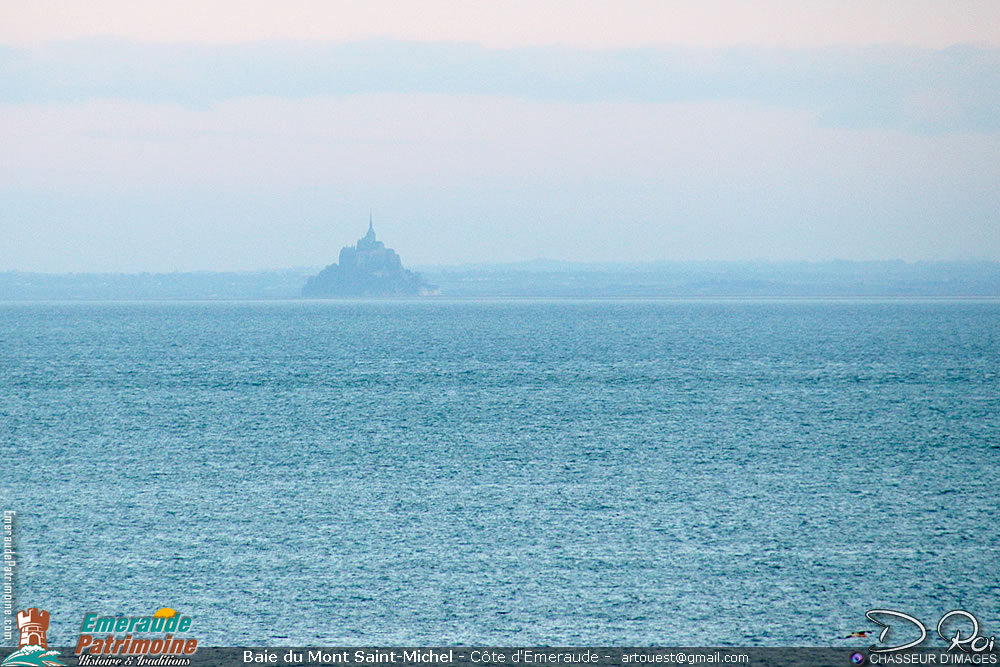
<point x="195" y="135"/>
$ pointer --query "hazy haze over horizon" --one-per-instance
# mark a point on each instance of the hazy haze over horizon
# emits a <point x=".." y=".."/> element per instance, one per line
<point x="249" y="135"/>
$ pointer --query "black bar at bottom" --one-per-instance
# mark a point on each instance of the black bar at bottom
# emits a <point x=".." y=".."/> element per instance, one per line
<point x="465" y="656"/>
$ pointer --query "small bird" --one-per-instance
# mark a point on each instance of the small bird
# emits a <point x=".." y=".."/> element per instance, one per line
<point x="859" y="633"/>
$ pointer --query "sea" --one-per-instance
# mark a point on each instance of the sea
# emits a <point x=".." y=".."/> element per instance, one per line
<point x="504" y="472"/>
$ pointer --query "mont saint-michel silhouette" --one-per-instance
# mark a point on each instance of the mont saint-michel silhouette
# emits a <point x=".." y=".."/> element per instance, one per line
<point x="367" y="268"/>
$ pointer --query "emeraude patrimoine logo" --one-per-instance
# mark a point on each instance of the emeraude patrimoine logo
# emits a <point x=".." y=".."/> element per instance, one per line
<point x="164" y="633"/>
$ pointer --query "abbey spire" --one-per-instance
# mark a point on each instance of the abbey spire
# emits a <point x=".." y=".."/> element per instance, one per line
<point x="368" y="241"/>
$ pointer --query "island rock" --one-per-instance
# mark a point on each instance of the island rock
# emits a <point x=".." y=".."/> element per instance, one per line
<point x="367" y="268"/>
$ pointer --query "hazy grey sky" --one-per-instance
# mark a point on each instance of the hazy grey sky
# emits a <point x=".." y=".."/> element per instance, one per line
<point x="244" y="135"/>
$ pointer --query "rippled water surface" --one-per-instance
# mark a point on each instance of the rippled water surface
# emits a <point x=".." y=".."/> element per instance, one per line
<point x="504" y="473"/>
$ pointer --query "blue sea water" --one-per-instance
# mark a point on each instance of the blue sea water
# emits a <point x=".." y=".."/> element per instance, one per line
<point x="504" y="472"/>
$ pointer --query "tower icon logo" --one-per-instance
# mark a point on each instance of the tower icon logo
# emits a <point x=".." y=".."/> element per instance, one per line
<point x="33" y="646"/>
<point x="33" y="624"/>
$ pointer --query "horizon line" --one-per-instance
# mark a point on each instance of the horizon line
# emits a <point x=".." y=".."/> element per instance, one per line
<point x="529" y="262"/>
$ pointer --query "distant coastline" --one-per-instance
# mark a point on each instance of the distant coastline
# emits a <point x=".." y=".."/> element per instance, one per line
<point x="548" y="278"/>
